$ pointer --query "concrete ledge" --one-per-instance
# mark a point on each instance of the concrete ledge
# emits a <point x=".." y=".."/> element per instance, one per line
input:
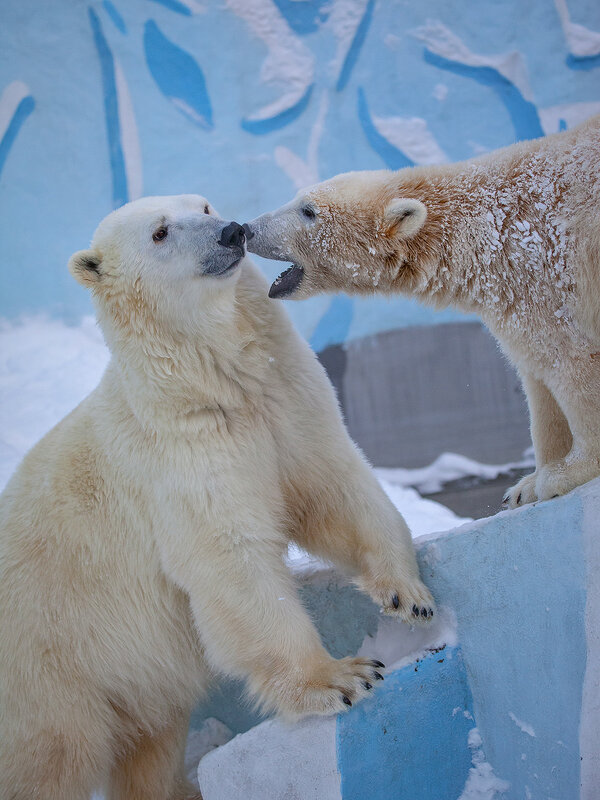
<point x="525" y="589"/>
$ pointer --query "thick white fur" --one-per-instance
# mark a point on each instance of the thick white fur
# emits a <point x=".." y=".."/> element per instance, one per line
<point x="513" y="236"/>
<point x="142" y="540"/>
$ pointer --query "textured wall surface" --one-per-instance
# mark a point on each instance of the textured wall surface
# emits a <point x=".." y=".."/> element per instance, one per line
<point x="246" y="100"/>
<point x="524" y="590"/>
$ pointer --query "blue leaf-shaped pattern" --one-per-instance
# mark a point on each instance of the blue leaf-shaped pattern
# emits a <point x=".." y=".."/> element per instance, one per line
<point x="391" y="155"/>
<point x="113" y="13"/>
<point x="174" y="5"/>
<point x="303" y="18"/>
<point x="262" y="126"/>
<point x="523" y="113"/>
<point x="178" y="76"/>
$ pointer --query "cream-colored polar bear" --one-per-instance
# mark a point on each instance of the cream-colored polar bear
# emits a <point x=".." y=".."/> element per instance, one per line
<point x="142" y="540"/>
<point x="513" y="236"/>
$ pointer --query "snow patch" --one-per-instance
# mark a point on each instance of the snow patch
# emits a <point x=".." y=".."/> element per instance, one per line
<point x="524" y="726"/>
<point x="482" y="783"/>
<point x="447" y="467"/>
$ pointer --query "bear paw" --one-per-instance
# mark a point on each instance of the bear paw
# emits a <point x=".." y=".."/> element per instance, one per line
<point x="328" y="687"/>
<point x="410" y="600"/>
<point x="560" y="477"/>
<point x="522" y="492"/>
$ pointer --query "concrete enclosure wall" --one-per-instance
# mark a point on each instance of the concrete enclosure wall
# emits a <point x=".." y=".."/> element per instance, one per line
<point x="521" y="664"/>
<point x="246" y="100"/>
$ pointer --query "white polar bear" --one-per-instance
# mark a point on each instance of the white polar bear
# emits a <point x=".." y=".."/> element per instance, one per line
<point x="142" y="540"/>
<point x="513" y="236"/>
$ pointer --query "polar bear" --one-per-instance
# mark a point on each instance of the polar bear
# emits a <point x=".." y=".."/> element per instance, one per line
<point x="142" y="539"/>
<point x="513" y="236"/>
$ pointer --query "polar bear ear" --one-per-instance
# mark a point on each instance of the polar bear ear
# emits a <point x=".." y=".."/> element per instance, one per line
<point x="84" y="266"/>
<point x="407" y="215"/>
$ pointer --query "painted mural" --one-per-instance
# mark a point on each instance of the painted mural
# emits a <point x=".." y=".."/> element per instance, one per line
<point x="246" y="101"/>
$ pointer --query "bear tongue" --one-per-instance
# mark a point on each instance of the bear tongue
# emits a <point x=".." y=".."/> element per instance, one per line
<point x="287" y="282"/>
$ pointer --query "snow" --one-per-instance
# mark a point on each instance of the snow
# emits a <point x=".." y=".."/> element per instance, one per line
<point x="481" y="783"/>
<point x="448" y="467"/>
<point x="524" y="726"/>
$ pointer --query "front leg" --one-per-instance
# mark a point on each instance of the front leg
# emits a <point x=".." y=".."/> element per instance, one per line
<point x="577" y="388"/>
<point x="345" y="517"/>
<point x="550" y="434"/>
<point x="252" y="624"/>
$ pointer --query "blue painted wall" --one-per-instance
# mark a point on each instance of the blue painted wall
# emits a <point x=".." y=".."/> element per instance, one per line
<point x="517" y="583"/>
<point x="410" y="739"/>
<point x="245" y="100"/>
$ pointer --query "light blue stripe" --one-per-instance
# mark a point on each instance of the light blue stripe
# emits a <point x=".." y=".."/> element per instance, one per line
<point x="111" y="112"/>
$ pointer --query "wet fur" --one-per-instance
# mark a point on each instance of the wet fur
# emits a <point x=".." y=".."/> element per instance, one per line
<point x="513" y="236"/>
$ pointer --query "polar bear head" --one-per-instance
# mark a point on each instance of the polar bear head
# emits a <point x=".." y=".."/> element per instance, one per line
<point x="356" y="232"/>
<point x="161" y="259"/>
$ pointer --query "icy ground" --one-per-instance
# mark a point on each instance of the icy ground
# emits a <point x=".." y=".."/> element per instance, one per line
<point x="47" y="367"/>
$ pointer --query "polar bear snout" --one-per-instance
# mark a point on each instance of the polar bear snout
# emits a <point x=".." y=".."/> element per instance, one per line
<point x="233" y="235"/>
<point x="229" y="252"/>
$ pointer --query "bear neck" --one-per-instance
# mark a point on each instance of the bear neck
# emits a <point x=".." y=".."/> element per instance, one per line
<point x="490" y="223"/>
<point x="176" y="381"/>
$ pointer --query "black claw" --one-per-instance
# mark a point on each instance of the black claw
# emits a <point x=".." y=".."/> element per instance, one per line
<point x="423" y="612"/>
<point x="415" y="611"/>
<point x="519" y="498"/>
<point x="347" y="700"/>
<point x="378" y="676"/>
<point x="395" y="601"/>
<point x="553" y="496"/>
<point x="367" y="685"/>
<point x="378" y="664"/>
<point x="431" y="612"/>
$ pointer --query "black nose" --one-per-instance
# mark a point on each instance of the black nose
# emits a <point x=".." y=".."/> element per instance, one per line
<point x="249" y="231"/>
<point x="232" y="235"/>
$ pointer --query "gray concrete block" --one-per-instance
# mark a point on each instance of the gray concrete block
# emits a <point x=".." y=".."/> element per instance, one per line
<point x="410" y="394"/>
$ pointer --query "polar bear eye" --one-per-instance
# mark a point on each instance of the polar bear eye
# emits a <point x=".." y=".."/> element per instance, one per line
<point x="206" y="209"/>
<point x="309" y="212"/>
<point x="159" y="234"/>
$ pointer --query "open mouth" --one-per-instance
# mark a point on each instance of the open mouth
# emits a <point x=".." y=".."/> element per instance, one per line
<point x="287" y="283"/>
